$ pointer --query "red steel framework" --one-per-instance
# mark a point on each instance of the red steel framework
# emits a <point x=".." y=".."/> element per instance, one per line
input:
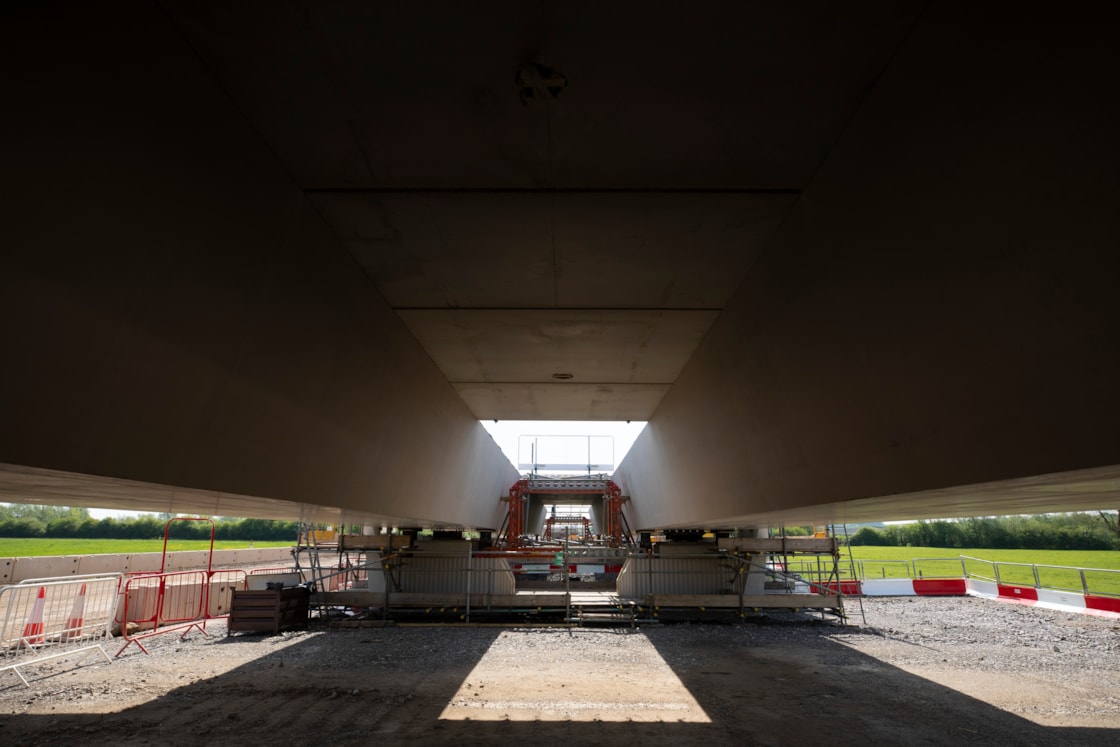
<point x="617" y="533"/>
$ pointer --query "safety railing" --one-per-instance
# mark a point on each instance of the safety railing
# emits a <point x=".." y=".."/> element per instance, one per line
<point x="1101" y="582"/>
<point x="45" y="619"/>
<point x="866" y="569"/>
<point x="937" y="568"/>
<point x="916" y="568"/>
<point x="819" y="569"/>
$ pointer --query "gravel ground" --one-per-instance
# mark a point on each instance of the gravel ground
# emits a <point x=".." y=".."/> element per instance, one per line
<point x="921" y="671"/>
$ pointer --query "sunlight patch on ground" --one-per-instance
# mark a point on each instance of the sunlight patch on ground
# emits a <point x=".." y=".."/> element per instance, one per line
<point x="539" y="675"/>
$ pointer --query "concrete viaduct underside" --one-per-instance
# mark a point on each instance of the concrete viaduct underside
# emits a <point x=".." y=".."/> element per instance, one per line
<point x="851" y="260"/>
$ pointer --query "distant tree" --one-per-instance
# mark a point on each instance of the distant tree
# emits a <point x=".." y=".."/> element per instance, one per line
<point x="867" y="536"/>
<point x="67" y="526"/>
<point x="44" y="514"/>
<point x="1110" y="523"/>
<point x="145" y="527"/>
<point x="107" y="528"/>
<point x="21" y="527"/>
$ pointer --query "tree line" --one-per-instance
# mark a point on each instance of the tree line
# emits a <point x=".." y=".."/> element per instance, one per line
<point x="60" y="522"/>
<point x="1076" y="531"/>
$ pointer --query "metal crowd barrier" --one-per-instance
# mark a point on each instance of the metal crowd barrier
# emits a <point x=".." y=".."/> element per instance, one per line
<point x="46" y="619"/>
<point x="156" y="603"/>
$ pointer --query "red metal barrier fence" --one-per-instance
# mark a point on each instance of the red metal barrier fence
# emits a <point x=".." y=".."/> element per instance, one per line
<point x="158" y="603"/>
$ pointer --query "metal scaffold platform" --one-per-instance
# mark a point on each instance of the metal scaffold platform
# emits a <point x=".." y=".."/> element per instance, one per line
<point x="570" y="567"/>
<point x="726" y="579"/>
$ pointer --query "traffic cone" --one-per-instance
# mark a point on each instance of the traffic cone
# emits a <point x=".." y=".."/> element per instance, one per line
<point x="74" y="624"/>
<point x="33" y="630"/>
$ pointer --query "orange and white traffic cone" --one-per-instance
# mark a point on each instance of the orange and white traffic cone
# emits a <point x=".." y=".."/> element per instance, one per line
<point x="33" y="630"/>
<point x="76" y="621"/>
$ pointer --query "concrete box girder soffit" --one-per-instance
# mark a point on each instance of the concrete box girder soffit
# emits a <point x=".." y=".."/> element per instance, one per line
<point x="846" y="258"/>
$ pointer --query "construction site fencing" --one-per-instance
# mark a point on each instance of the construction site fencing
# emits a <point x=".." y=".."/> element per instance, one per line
<point x="1088" y="581"/>
<point x="865" y="569"/>
<point x="819" y="569"/>
<point x="914" y="568"/>
<point x="50" y="618"/>
<point x="937" y="568"/>
<point x="157" y="603"/>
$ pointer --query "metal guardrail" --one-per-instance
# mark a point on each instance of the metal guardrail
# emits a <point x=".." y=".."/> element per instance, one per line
<point x="937" y="568"/>
<point x="1088" y="581"/>
<point x="46" y="619"/>
<point x="1103" y="582"/>
<point x="886" y="569"/>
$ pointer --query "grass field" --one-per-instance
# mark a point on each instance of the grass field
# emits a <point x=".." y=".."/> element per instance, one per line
<point x="940" y="562"/>
<point x="24" y="548"/>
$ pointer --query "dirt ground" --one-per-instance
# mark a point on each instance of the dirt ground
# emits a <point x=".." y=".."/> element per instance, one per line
<point x="941" y="672"/>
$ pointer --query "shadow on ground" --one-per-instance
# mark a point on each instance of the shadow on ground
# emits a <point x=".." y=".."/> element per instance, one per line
<point x="392" y="685"/>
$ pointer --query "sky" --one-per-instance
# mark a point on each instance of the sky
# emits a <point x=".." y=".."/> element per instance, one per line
<point x="513" y="437"/>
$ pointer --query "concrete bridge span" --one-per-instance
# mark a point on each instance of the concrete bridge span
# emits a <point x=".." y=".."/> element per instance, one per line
<point x="850" y="261"/>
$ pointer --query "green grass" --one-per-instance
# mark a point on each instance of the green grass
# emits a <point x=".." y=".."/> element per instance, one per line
<point x="1073" y="558"/>
<point x="900" y="562"/>
<point x="24" y="548"/>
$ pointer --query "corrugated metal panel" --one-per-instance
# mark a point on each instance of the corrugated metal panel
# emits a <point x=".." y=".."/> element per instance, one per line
<point x="676" y="575"/>
<point x="427" y="574"/>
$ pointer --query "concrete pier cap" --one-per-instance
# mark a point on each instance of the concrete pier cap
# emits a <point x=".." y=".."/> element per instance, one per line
<point x="850" y="261"/>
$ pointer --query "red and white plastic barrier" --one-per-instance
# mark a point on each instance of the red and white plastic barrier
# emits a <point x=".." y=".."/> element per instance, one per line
<point x="911" y="587"/>
<point x="1065" y="601"/>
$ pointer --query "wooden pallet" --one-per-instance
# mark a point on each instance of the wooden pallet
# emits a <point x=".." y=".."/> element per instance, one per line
<point x="268" y="611"/>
